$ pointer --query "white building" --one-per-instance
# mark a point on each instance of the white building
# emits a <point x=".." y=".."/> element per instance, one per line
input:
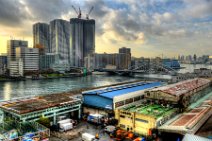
<point x="30" y="57"/>
<point x="16" y="68"/>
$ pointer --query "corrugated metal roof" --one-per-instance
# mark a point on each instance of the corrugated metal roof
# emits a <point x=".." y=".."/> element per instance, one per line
<point x="129" y="90"/>
<point x="105" y="98"/>
<point x="191" y="137"/>
<point x="113" y="88"/>
<point x="98" y="101"/>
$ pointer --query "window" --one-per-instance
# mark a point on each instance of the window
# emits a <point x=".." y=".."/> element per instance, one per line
<point x="137" y="98"/>
<point x="141" y="120"/>
<point x="129" y="101"/>
<point x="122" y="126"/>
<point x="118" y="104"/>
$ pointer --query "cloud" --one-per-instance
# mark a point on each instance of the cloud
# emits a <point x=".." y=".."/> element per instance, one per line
<point x="197" y="8"/>
<point x="145" y="24"/>
<point x="12" y="13"/>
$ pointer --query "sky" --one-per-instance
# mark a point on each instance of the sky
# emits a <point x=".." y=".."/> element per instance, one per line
<point x="149" y="27"/>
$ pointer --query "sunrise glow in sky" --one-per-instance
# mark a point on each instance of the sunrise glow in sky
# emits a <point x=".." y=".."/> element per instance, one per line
<point x="149" y="27"/>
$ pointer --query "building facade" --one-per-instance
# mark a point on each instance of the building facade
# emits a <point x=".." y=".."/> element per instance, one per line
<point x="3" y="64"/>
<point x="41" y="37"/>
<point x="30" y="57"/>
<point x="16" y="68"/>
<point x="82" y="40"/>
<point x="88" y="37"/>
<point x="47" y="60"/>
<point x="60" y="40"/>
<point x="76" y="49"/>
<point x="11" y="47"/>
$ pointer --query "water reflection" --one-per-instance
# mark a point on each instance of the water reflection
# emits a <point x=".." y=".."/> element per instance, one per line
<point x="7" y="91"/>
<point x="10" y="90"/>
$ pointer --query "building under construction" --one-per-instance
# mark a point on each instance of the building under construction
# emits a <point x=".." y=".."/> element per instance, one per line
<point x="51" y="106"/>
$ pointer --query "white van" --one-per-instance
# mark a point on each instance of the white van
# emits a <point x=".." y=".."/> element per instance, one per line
<point x="88" y="137"/>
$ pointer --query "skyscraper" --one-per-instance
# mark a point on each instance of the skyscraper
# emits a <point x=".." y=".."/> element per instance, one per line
<point x="89" y="37"/>
<point x="41" y="37"/>
<point x="76" y="48"/>
<point x="82" y="41"/>
<point x="60" y="40"/>
<point x="11" y="47"/>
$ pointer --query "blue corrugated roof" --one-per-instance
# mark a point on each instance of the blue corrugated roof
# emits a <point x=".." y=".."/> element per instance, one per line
<point x="117" y="88"/>
<point x="104" y="98"/>
<point x="128" y="90"/>
<point x="98" y="101"/>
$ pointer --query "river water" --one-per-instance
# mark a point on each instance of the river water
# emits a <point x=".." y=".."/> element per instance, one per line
<point x="10" y="90"/>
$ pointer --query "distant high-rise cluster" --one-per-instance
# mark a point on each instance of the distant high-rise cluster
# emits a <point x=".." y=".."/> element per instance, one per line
<point x="194" y="59"/>
<point x="70" y="41"/>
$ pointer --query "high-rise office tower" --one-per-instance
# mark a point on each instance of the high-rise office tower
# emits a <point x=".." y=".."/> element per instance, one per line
<point x="89" y="37"/>
<point x="76" y="46"/>
<point x="11" y="47"/>
<point x="41" y="37"/>
<point x="60" y="40"/>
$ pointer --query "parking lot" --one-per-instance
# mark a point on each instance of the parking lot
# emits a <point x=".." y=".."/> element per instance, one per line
<point x="75" y="134"/>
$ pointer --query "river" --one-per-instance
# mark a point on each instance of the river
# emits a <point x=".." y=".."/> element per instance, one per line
<point x="10" y="90"/>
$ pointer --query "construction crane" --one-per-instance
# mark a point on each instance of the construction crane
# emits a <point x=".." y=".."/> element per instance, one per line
<point x="87" y="15"/>
<point x="78" y="12"/>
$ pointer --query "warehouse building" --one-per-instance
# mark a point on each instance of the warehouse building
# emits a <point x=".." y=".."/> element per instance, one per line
<point x="108" y="99"/>
<point x="182" y="93"/>
<point x="51" y="106"/>
<point x="190" y="121"/>
<point x="143" y="117"/>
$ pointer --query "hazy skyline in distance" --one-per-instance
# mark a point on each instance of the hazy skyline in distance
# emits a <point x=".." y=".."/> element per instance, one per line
<point x="149" y="27"/>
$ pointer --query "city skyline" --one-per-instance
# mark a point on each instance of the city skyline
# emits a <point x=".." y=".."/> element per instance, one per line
<point x="149" y="28"/>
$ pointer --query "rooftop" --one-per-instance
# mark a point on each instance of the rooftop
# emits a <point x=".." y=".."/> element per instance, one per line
<point x="27" y="105"/>
<point x="111" y="92"/>
<point x="153" y="110"/>
<point x="183" y="87"/>
<point x="190" y="121"/>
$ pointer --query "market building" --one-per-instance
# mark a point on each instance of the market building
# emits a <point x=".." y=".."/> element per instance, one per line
<point x="181" y="94"/>
<point x="106" y="100"/>
<point x="51" y="106"/>
<point x="190" y="121"/>
<point x="143" y="117"/>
